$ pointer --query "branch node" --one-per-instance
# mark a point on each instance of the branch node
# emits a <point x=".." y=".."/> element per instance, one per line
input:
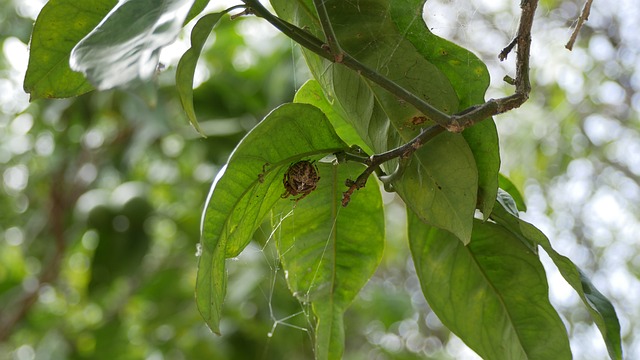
<point x="360" y="182"/>
<point x="455" y="126"/>
<point x="338" y="57"/>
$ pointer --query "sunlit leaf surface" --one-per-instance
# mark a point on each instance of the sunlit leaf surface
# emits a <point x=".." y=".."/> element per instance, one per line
<point x="311" y="93"/>
<point x="126" y="45"/>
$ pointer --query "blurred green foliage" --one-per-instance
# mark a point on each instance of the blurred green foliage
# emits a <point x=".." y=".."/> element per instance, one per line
<point x="102" y="194"/>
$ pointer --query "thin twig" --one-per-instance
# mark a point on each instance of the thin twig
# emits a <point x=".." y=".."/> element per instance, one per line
<point x="475" y="114"/>
<point x="402" y="152"/>
<point x="296" y="34"/>
<point x="507" y="49"/>
<point x="246" y="11"/>
<point x="584" y="16"/>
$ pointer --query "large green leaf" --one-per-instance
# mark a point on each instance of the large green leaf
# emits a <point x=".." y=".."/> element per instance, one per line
<point x="244" y="193"/>
<point x="492" y="293"/>
<point x="126" y="45"/>
<point x="600" y="308"/>
<point x="187" y="64"/>
<point x="387" y="36"/>
<point x="60" y="25"/>
<point x="329" y="251"/>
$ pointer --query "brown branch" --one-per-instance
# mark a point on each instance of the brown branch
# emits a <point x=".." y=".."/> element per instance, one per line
<point x="522" y="41"/>
<point x="453" y="123"/>
<point x="584" y="16"/>
<point x="61" y="203"/>
<point x="402" y="152"/>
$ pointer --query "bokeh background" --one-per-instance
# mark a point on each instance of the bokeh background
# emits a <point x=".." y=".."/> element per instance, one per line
<point x="101" y="195"/>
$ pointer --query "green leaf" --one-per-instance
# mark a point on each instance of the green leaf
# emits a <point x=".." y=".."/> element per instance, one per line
<point x="506" y="214"/>
<point x="328" y="251"/>
<point x="507" y="202"/>
<point x="442" y="193"/>
<point x="492" y="293"/>
<point x="126" y="45"/>
<point x="600" y="308"/>
<point x="187" y="64"/>
<point x="509" y="187"/>
<point x="386" y="37"/>
<point x="60" y="25"/>
<point x="197" y="7"/>
<point x="244" y="193"/>
<point x="311" y="93"/>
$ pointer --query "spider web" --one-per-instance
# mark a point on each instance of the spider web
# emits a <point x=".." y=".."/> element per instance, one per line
<point x="272" y="287"/>
<point x="274" y="265"/>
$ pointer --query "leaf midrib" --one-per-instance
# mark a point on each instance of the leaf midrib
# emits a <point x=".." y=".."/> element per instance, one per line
<point x="498" y="295"/>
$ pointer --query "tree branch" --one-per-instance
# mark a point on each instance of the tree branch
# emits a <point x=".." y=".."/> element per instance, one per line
<point x="453" y="123"/>
<point x="522" y="41"/>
